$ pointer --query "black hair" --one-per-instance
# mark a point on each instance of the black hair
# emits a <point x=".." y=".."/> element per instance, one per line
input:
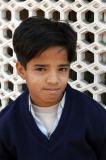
<point x="36" y="34"/>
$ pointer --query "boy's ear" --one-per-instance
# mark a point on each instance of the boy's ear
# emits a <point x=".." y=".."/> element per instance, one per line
<point x="21" y="70"/>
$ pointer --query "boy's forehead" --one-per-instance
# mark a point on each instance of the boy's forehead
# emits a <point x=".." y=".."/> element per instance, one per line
<point x="61" y="49"/>
<point x="56" y="56"/>
<point x="53" y="56"/>
<point x="55" y="50"/>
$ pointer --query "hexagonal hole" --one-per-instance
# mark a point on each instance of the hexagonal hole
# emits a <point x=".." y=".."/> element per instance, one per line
<point x="102" y="58"/>
<point x="6" y="0"/>
<point x="88" y="37"/>
<point x="78" y="85"/>
<point x="88" y="16"/>
<point x="102" y="38"/>
<point x="9" y="100"/>
<point x="96" y="27"/>
<point x="23" y="14"/>
<point x="8" y="86"/>
<point x="54" y="0"/>
<point x="30" y="4"/>
<point x="22" y="87"/>
<point x="103" y="98"/>
<point x="96" y="68"/>
<point x="6" y="14"/>
<point x="8" y="52"/>
<point x="79" y="66"/>
<point x="8" y="69"/>
<point x="102" y="16"/>
<point x="88" y="77"/>
<point x="7" y="33"/>
<point x="103" y="78"/>
<point x="87" y="1"/>
<point x="62" y="5"/>
<point x="88" y="57"/>
<point x="88" y="93"/>
<point x="40" y="13"/>
<point x="95" y="88"/>
<point x="56" y="15"/>
<point x="72" y="75"/>
<point x="72" y="16"/>
<point x="71" y="1"/>
<point x="20" y="0"/>
<point x="78" y="5"/>
<point x="38" y="0"/>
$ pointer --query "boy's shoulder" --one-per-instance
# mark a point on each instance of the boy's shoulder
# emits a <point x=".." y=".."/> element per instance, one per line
<point x="82" y="100"/>
<point x="12" y="110"/>
<point x="83" y="106"/>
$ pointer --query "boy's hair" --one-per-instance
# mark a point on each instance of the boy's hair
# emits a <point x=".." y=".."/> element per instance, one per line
<point x="36" y="34"/>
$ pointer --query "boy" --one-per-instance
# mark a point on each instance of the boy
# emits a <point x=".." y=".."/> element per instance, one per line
<point x="50" y="120"/>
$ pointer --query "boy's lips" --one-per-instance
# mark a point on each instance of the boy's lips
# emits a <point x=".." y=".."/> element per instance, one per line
<point x="52" y="90"/>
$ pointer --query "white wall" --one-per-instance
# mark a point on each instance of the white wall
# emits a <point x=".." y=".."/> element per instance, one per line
<point x="88" y="18"/>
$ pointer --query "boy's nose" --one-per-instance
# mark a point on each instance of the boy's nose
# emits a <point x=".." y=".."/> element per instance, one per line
<point x="53" y="78"/>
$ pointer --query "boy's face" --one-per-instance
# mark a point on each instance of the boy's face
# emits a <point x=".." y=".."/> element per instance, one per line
<point x="46" y="76"/>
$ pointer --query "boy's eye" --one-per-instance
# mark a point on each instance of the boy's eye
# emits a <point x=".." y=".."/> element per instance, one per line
<point x="64" y="69"/>
<point x="40" y="69"/>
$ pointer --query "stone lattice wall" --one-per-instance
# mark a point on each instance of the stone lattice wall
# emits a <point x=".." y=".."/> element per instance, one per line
<point x="88" y="18"/>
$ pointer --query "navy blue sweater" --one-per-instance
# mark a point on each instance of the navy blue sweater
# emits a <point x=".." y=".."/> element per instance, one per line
<point x="80" y="134"/>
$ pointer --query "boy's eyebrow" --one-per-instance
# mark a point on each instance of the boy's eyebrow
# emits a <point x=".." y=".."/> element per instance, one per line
<point x="46" y="65"/>
<point x="40" y="65"/>
<point x="64" y="65"/>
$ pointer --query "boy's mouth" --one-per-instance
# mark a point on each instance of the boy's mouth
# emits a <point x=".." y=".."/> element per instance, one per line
<point x="52" y="90"/>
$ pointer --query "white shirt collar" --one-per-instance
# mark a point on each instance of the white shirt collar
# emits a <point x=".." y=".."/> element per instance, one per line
<point x="39" y="122"/>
